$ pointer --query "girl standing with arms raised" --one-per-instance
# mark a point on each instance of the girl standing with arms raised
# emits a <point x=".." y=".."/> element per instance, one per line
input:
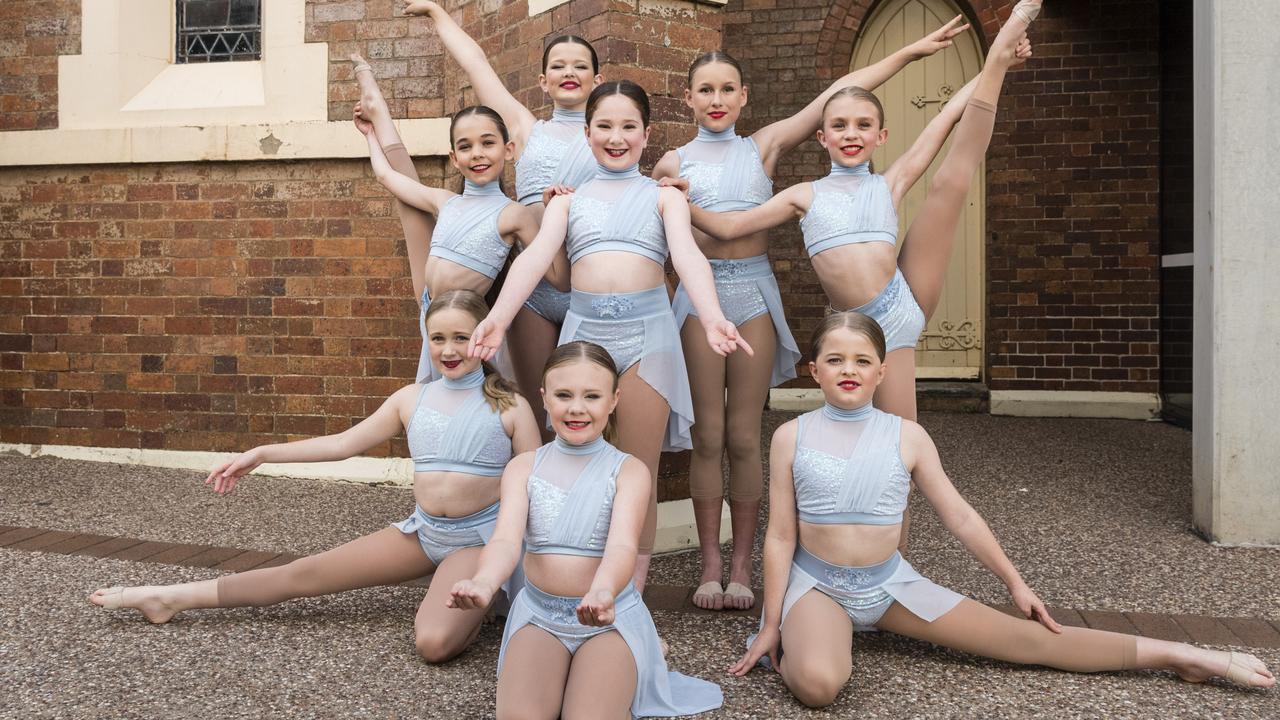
<point x="619" y="229"/>
<point x="726" y="172"/>
<point x="462" y="431"/>
<point x="547" y="152"/>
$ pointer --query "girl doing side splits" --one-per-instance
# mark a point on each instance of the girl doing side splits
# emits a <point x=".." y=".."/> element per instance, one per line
<point x="849" y="218"/>
<point x="475" y="230"/>
<point x="579" y="641"/>
<point x="616" y="229"/>
<point x="839" y="480"/>
<point x="462" y="430"/>
<point x="548" y="153"/>
<point x="727" y="172"/>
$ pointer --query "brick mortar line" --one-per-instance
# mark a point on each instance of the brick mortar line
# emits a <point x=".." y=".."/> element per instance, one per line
<point x="1243" y="631"/>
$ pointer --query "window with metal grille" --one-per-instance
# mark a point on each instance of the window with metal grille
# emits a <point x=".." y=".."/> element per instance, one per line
<point x="219" y="30"/>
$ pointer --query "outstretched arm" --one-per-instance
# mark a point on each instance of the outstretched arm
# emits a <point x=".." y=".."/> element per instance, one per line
<point x="781" y="136"/>
<point x="619" y="561"/>
<point x="695" y="272"/>
<point x="920" y="456"/>
<point x="384" y="424"/>
<point x="488" y="86"/>
<point x="502" y="553"/>
<point x="524" y="225"/>
<point x="786" y="205"/>
<point x="406" y="189"/>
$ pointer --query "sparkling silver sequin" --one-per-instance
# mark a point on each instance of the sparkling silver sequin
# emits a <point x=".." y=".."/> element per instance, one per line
<point x="898" y="313"/>
<point x="864" y="608"/>
<point x="555" y="153"/>
<point x="818" y="479"/>
<point x="548" y="302"/>
<point x="848" y="579"/>
<point x="546" y="501"/>
<point x="740" y="297"/>
<point x="483" y="243"/>
<point x="624" y="340"/>
<point x="841" y="213"/>
<point x="612" y="306"/>
<point x="588" y="217"/>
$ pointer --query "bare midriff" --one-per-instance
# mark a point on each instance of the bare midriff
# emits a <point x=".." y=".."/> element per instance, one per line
<point x="737" y="249"/>
<point x="454" y="494"/>
<point x="615" y="271"/>
<point x="850" y="545"/>
<point x="566" y="575"/>
<point x="852" y="275"/>
<point x="445" y="275"/>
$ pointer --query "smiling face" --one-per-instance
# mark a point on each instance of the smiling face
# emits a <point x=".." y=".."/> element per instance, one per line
<point x="579" y="397"/>
<point x="847" y="368"/>
<point x="617" y="133"/>
<point x="479" y="152"/>
<point x="448" y="331"/>
<point x="716" y="95"/>
<point x="851" y="130"/>
<point x="569" y="76"/>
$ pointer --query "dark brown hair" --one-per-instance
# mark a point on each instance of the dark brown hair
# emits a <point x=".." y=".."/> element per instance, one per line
<point x="484" y="110"/>
<point x="630" y="90"/>
<point x="583" y="351"/>
<point x="849" y="320"/>
<point x="572" y="40"/>
<point x="857" y="93"/>
<point x="716" y="56"/>
<point x="498" y="391"/>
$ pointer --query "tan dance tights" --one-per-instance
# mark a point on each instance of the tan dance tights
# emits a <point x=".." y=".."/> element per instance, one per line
<point x="540" y="679"/>
<point x="417" y="224"/>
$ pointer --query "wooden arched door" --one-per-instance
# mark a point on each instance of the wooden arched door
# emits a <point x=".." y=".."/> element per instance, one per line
<point x="951" y="346"/>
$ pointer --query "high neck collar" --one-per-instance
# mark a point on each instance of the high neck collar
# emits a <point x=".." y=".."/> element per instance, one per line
<point x="585" y="449"/>
<point x="604" y="173"/>
<point x="839" y="414"/>
<point x="706" y="135"/>
<point x="489" y="189"/>
<point x="578" y="117"/>
<point x="863" y="168"/>
<point x="473" y="379"/>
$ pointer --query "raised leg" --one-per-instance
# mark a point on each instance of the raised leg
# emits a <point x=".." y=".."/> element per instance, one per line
<point x="532" y="679"/>
<point x="817" y="645"/>
<point x="440" y="633"/>
<point x="602" y="680"/>
<point x="707" y="377"/>
<point x="642" y="420"/>
<point x="385" y="557"/>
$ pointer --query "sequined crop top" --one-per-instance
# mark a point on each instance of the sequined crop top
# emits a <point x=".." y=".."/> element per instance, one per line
<point x="467" y="229"/>
<point x="851" y="205"/>
<point x="571" y="489"/>
<point x="616" y="211"/>
<point x="724" y="171"/>
<point x="848" y="467"/>
<point x="556" y="153"/>
<point x="453" y="429"/>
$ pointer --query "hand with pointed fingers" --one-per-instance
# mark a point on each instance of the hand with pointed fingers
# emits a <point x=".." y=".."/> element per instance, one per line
<point x="224" y="476"/>
<point x="554" y="190"/>
<point x="485" y="340"/>
<point x="470" y="595"/>
<point x="723" y="337"/>
<point x="939" y="39"/>
<point x="767" y="643"/>
<point x="596" y="608"/>
<point x="1032" y="607"/>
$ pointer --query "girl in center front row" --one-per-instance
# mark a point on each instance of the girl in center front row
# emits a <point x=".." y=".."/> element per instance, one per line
<point x="616" y="229"/>
<point x="838" y="483"/>
<point x="579" y="641"/>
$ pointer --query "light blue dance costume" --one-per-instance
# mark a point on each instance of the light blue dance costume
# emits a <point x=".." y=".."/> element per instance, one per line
<point x="571" y="490"/>
<point x="453" y="429"/>
<point x="725" y="174"/>
<point x="466" y="234"/>
<point x="618" y="211"/>
<point x="854" y="205"/>
<point x="555" y="154"/>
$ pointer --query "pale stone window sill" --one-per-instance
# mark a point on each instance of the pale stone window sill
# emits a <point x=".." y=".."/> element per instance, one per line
<point x="537" y="7"/>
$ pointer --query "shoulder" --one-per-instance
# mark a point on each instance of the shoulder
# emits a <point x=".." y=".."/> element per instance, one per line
<point x="519" y="406"/>
<point x="668" y="165"/>
<point x="913" y="436"/>
<point x="632" y="468"/>
<point x="787" y="431"/>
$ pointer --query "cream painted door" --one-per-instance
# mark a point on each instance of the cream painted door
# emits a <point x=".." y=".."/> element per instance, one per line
<point x="951" y="346"/>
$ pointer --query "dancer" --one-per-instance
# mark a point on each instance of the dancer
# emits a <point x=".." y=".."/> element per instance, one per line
<point x="839" y="480"/>
<point x="618" y="228"/>
<point x="728" y="172"/>
<point x="849" y="218"/>
<point x="579" y="641"/>
<point x="462" y="430"/>
<point x="548" y="152"/>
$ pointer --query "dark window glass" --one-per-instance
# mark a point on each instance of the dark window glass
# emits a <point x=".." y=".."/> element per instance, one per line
<point x="219" y="30"/>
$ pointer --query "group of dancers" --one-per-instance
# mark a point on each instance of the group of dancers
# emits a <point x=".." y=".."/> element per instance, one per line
<point x="536" y="498"/>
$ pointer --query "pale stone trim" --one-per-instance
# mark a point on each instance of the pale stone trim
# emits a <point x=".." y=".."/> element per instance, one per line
<point x="676" y="529"/>
<point x="537" y="7"/>
<point x="276" y="141"/>
<point x="125" y="76"/>
<point x="943" y="372"/>
<point x="795" y="399"/>
<point x="540" y="6"/>
<point x="1075" y="403"/>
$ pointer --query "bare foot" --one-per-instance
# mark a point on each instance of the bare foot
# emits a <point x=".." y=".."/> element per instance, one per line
<point x="1240" y="669"/>
<point x="146" y="600"/>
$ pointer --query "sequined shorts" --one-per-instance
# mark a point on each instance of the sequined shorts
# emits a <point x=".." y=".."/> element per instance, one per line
<point x="898" y="313"/>
<point x="859" y="590"/>
<point x="440" y="537"/>
<point x="548" y="302"/>
<point x="558" y="615"/>
<point x="741" y="297"/>
<point x="620" y="323"/>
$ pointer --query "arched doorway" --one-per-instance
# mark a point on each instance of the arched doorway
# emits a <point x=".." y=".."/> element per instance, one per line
<point x="951" y="346"/>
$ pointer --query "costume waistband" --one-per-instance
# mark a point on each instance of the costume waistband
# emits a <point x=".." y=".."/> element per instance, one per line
<point x="466" y="522"/>
<point x="846" y="578"/>
<point x="616" y="306"/>
<point x="741" y="269"/>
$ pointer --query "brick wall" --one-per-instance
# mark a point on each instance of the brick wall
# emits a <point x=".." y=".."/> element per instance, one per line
<point x="1073" y="181"/>
<point x="33" y="33"/>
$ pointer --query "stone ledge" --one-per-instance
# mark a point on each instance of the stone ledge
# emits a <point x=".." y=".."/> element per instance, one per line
<point x="1075" y="403"/>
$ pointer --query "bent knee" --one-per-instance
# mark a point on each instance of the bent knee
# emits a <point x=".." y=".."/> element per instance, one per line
<point x="437" y="647"/>
<point x="816" y="684"/>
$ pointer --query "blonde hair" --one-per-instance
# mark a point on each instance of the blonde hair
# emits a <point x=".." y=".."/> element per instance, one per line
<point x="498" y="391"/>
<point x="849" y="320"/>
<point x="583" y="351"/>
